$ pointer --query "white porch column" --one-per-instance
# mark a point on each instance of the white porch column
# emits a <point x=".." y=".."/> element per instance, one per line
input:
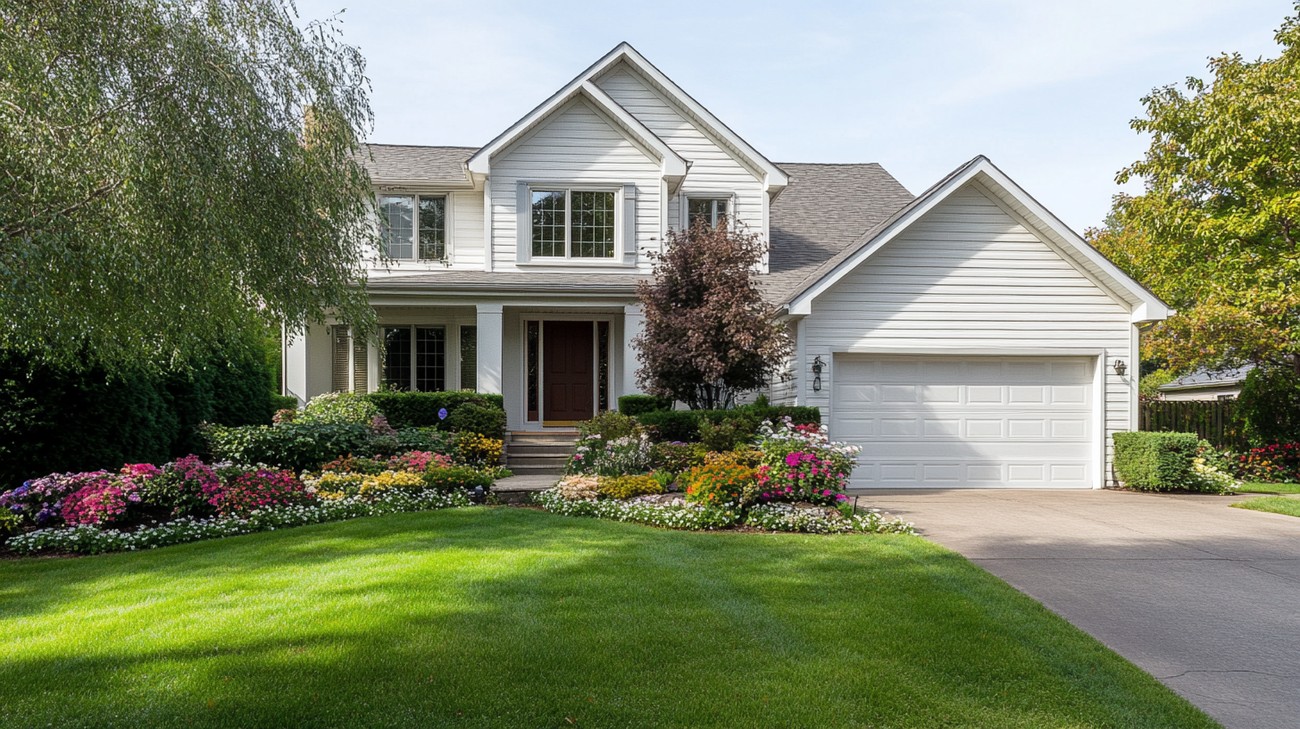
<point x="633" y="325"/>
<point x="489" y="348"/>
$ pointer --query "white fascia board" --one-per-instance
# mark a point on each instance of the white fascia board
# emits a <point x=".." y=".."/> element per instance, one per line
<point x="775" y="177"/>
<point x="673" y="165"/>
<point x="1148" y="306"/>
<point x="802" y="304"/>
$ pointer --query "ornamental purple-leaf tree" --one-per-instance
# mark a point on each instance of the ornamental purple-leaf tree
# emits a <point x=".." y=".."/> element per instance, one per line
<point x="709" y="335"/>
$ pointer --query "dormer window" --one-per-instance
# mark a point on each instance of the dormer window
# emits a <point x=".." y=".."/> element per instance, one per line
<point x="710" y="210"/>
<point x="569" y="223"/>
<point x="414" y="227"/>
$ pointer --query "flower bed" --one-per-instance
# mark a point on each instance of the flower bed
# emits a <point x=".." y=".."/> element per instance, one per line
<point x="143" y="505"/>
<point x="94" y="540"/>
<point x="1276" y="463"/>
<point x="792" y="479"/>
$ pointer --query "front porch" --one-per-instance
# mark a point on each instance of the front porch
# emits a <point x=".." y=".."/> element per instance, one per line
<point x="555" y="362"/>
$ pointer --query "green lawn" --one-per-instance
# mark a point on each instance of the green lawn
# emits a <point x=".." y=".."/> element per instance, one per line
<point x="514" y="618"/>
<point x="1275" y="504"/>
<point x="1270" y="488"/>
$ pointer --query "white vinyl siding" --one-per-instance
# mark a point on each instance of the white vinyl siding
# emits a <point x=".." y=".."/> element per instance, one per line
<point x="968" y="276"/>
<point x="466" y="229"/>
<point x="578" y="148"/>
<point x="713" y="168"/>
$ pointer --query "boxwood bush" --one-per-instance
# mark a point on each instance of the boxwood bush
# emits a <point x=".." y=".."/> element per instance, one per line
<point x="421" y="409"/>
<point x="1156" y="461"/>
<point x="637" y="404"/>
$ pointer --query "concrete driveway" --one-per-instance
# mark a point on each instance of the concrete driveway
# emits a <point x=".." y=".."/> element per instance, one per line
<point x="1204" y="597"/>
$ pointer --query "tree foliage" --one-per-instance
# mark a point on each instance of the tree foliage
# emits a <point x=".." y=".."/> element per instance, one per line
<point x="160" y="184"/>
<point x="709" y="335"/>
<point x="1216" y="233"/>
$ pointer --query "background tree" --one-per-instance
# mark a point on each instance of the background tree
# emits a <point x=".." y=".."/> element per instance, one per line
<point x="1217" y="231"/>
<point x="158" y="191"/>
<point x="709" y="335"/>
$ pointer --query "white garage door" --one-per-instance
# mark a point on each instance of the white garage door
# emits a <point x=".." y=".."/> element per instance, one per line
<point x="966" y="422"/>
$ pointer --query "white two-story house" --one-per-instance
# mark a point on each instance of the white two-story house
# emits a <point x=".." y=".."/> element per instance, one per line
<point x="963" y="337"/>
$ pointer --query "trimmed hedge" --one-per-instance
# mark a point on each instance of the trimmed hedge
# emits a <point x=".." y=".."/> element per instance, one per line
<point x="305" y="446"/>
<point x="684" y="425"/>
<point x="635" y="405"/>
<point x="56" y="419"/>
<point x="1156" y="461"/>
<point x="283" y="402"/>
<point x="420" y="409"/>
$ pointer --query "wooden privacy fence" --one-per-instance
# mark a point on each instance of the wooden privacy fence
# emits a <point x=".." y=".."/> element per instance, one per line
<point x="1213" y="420"/>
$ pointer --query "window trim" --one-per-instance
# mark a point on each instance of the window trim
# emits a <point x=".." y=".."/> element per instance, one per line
<point x="382" y="380"/>
<point x="684" y="204"/>
<point x="523" y="211"/>
<point x="448" y="224"/>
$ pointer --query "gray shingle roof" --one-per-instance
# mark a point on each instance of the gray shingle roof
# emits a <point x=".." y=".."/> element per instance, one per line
<point x="1209" y="378"/>
<point x="824" y="211"/>
<point x="411" y="163"/>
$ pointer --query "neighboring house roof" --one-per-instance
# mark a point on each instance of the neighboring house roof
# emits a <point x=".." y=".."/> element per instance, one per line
<point x="1209" y="379"/>
<point x="398" y="164"/>
<point x="774" y="177"/>
<point x="825" y="209"/>
<point x="1146" y="306"/>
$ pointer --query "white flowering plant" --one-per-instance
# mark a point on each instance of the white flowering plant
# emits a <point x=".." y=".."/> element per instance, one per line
<point x="641" y="510"/>
<point x="779" y="517"/>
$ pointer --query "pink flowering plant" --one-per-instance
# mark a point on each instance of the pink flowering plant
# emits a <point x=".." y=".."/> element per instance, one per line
<point x="802" y="463"/>
<point x="111" y="499"/>
<point x="186" y="487"/>
<point x="418" y="461"/>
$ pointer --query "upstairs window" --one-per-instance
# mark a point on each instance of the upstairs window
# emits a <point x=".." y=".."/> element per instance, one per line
<point x="711" y="210"/>
<point x="414" y="227"/>
<point x="572" y="223"/>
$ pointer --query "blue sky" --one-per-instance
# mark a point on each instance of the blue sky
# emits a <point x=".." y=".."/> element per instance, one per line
<point x="1045" y="88"/>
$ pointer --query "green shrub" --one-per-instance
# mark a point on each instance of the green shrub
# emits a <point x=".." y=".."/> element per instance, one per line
<point x="421" y="409"/>
<point x="339" y="408"/>
<point x="728" y="434"/>
<point x="58" y="419"/>
<point x="1156" y="461"/>
<point x="1269" y="406"/>
<point x="486" y="420"/>
<point x="456" y="477"/>
<point x="626" y="487"/>
<point x="609" y="426"/>
<point x="674" y="458"/>
<point x="635" y="405"/>
<point x="283" y="402"/>
<point x="426" y="439"/>
<point x="684" y="425"/>
<point x="295" y="446"/>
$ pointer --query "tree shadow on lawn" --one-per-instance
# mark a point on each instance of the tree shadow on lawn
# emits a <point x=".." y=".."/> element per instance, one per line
<point x="505" y="617"/>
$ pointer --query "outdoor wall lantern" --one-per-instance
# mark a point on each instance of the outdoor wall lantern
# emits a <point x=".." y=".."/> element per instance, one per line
<point x="1120" y="367"/>
<point x="818" y="365"/>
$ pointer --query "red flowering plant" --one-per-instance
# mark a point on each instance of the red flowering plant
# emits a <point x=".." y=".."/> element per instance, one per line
<point x="1276" y="463"/>
<point x="252" y="490"/>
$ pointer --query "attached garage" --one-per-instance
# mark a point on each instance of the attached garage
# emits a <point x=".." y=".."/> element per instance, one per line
<point x="962" y="422"/>
<point x="971" y="341"/>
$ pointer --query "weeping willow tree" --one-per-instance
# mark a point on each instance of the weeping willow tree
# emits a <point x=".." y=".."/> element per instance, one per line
<point x="173" y="171"/>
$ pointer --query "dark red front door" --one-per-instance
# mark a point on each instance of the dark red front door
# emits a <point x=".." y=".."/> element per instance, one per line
<point x="568" y="370"/>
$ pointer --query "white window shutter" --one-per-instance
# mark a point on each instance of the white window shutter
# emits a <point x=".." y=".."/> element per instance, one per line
<point x="629" y="225"/>
<point x="523" y="223"/>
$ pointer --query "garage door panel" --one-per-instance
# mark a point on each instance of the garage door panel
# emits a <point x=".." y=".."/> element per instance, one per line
<point x="966" y="422"/>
